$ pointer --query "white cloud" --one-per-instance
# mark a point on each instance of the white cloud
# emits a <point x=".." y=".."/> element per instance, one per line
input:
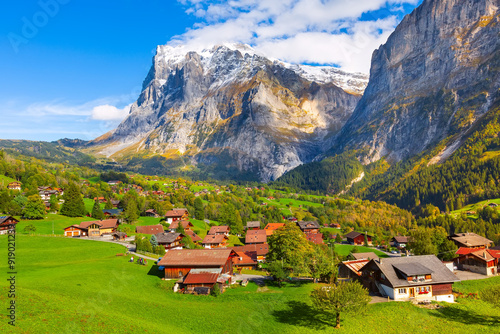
<point x="108" y="112"/>
<point x="313" y="31"/>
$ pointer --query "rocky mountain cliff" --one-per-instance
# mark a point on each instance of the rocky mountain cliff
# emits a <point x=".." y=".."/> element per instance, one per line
<point x="233" y="108"/>
<point x="436" y="76"/>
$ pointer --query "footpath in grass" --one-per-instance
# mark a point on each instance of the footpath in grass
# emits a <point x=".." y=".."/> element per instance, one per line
<point x="80" y="286"/>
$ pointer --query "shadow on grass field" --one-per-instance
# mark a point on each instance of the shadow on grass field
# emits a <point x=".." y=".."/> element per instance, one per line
<point x="154" y="271"/>
<point x="467" y="316"/>
<point x="298" y="313"/>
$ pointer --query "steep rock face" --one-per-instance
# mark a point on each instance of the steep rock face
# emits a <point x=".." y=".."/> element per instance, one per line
<point x="435" y="77"/>
<point x="230" y="106"/>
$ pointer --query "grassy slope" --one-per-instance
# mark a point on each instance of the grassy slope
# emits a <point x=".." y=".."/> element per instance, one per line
<point x="346" y="249"/>
<point x="78" y="286"/>
<point x="475" y="207"/>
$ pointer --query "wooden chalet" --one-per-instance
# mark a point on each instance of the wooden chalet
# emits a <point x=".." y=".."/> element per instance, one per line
<point x="400" y="241"/>
<point x="258" y="250"/>
<point x="470" y="240"/>
<point x="309" y="227"/>
<point x="245" y="260"/>
<point x="253" y="225"/>
<point x="418" y="278"/>
<point x="215" y="241"/>
<point x="119" y="236"/>
<point x="149" y="229"/>
<point x="219" y="230"/>
<point x="178" y="262"/>
<point x="201" y="281"/>
<point x="170" y="240"/>
<point x="271" y="227"/>
<point x="351" y="270"/>
<point x="7" y="223"/>
<point x="316" y="238"/>
<point x="14" y="186"/>
<point x="176" y="214"/>
<point x="255" y="237"/>
<point x="152" y="213"/>
<point x="356" y="238"/>
<point x="186" y="225"/>
<point x="479" y="260"/>
<point x="92" y="228"/>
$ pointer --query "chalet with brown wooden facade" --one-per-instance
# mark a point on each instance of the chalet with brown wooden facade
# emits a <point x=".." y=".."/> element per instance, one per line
<point x="149" y="229"/>
<point x="418" y="278"/>
<point x="479" y="260"/>
<point x="198" y="268"/>
<point x="351" y="270"/>
<point x="356" y="238"/>
<point x="186" y="225"/>
<point x="219" y="230"/>
<point x="400" y="241"/>
<point x="215" y="241"/>
<point x="176" y="214"/>
<point x="316" y="238"/>
<point x="14" y="186"/>
<point x="91" y="228"/>
<point x="256" y="250"/>
<point x="170" y="240"/>
<point x="152" y="213"/>
<point x="309" y="227"/>
<point x="7" y="223"/>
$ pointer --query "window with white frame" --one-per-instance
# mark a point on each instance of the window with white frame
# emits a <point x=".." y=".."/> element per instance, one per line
<point x="402" y="291"/>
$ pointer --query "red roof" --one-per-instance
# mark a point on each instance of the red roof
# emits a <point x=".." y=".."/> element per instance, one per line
<point x="196" y="257"/>
<point x="243" y="258"/>
<point x="106" y="223"/>
<point x="149" y="229"/>
<point x="218" y="229"/>
<point x="184" y="223"/>
<point x="201" y="278"/>
<point x="214" y="239"/>
<point x="256" y="237"/>
<point x="465" y="250"/>
<point x="176" y="213"/>
<point x="273" y="226"/>
<point x="259" y="249"/>
<point x="495" y="253"/>
<point x="195" y="237"/>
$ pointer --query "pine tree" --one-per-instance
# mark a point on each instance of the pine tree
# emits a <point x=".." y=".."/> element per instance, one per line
<point x="108" y="205"/>
<point x="153" y="241"/>
<point x="96" y="211"/>
<point x="73" y="202"/>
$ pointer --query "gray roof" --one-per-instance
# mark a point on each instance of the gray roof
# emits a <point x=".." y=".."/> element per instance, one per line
<point x="253" y="224"/>
<point x="439" y="272"/>
<point x="412" y="269"/>
<point x="166" y="238"/>
<point x="304" y="225"/>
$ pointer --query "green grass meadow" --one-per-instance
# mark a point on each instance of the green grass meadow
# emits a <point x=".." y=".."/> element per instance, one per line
<point x="81" y="286"/>
<point x="346" y="249"/>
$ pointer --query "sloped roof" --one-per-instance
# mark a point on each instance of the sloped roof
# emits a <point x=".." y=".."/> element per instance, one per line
<point x="271" y="227"/>
<point x="366" y="256"/>
<point x="196" y="257"/>
<point x="355" y="265"/>
<point x="353" y="234"/>
<point x="5" y="218"/>
<point x="219" y="229"/>
<point x="259" y="249"/>
<point x="471" y="239"/>
<point x="112" y="211"/>
<point x="412" y="269"/>
<point x="184" y="224"/>
<point x="256" y="236"/>
<point x="149" y="229"/>
<point x="178" y="212"/>
<point x="167" y="237"/>
<point x="202" y="276"/>
<point x="440" y="273"/>
<point x="105" y="223"/>
<point x="401" y="239"/>
<point x="483" y="254"/>
<point x="253" y="224"/>
<point x="214" y="239"/>
<point x="195" y="237"/>
<point x="308" y="225"/>
<point x="465" y="250"/>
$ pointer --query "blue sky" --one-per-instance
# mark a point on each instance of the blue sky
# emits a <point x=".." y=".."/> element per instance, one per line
<point x="71" y="68"/>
